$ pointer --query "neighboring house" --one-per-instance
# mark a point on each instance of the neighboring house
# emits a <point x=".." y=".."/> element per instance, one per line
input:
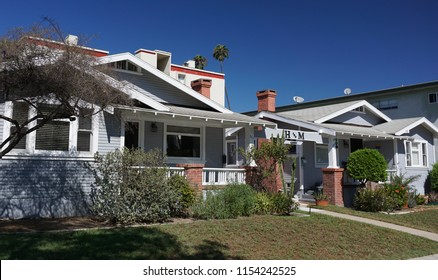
<point x="323" y="136"/>
<point x="48" y="173"/>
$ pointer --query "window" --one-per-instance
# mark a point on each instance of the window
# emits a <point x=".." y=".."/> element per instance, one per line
<point x="416" y="154"/>
<point x="359" y="109"/>
<point x="321" y="153"/>
<point x="56" y="135"/>
<point x="232" y="152"/>
<point x="386" y="104"/>
<point x="433" y="97"/>
<point x="124" y="65"/>
<point x="20" y="113"/>
<point x="183" y="141"/>
<point x="182" y="78"/>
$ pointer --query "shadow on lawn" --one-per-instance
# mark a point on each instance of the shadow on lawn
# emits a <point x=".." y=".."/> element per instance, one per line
<point x="128" y="243"/>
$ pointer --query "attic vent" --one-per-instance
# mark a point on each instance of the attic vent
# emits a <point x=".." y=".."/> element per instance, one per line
<point x="360" y="109"/>
<point x="125" y="65"/>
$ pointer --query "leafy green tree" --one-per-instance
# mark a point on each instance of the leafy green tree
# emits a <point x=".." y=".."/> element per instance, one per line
<point x="434" y="177"/>
<point x="367" y="165"/>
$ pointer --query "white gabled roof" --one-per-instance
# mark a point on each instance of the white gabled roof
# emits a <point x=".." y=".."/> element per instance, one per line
<point x="422" y="121"/>
<point x="351" y="107"/>
<point x="144" y="65"/>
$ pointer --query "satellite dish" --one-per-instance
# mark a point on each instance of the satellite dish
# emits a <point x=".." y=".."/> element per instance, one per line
<point x="298" y="99"/>
<point x="347" y="91"/>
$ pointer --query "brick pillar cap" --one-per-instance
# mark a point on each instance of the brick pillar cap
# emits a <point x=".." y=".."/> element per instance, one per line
<point x="332" y="169"/>
<point x="266" y="92"/>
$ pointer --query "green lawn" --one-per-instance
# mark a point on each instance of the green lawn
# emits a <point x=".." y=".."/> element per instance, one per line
<point x="258" y="237"/>
<point x="426" y="219"/>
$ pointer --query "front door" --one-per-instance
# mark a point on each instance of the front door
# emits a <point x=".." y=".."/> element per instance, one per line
<point x="131" y="135"/>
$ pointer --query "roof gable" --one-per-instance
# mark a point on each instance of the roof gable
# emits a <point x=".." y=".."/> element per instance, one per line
<point x="167" y="79"/>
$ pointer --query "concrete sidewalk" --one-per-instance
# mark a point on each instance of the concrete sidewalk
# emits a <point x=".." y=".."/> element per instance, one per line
<point x="421" y="233"/>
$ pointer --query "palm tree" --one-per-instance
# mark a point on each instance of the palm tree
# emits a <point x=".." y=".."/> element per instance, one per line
<point x="200" y="61"/>
<point x="220" y="52"/>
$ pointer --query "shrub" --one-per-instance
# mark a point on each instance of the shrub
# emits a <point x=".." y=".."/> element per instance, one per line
<point x="131" y="186"/>
<point x="432" y="198"/>
<point x="263" y="203"/>
<point x="186" y="195"/>
<point x="420" y="199"/>
<point x="367" y="165"/>
<point x="398" y="193"/>
<point x="374" y="200"/>
<point x="282" y="204"/>
<point x="434" y="177"/>
<point x="233" y="201"/>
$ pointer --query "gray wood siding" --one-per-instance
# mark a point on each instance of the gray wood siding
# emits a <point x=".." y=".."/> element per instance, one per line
<point x="44" y="188"/>
<point x="214" y="147"/>
<point x="153" y="140"/>
<point x="161" y="89"/>
<point x="109" y="133"/>
<point x="355" y="118"/>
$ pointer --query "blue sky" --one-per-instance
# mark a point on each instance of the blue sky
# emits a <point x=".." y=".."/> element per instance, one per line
<point x="314" y="49"/>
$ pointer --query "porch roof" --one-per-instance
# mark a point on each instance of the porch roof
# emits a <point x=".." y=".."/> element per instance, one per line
<point x="227" y="120"/>
<point x="360" y="131"/>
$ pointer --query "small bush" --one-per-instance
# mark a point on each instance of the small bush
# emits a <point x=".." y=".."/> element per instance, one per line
<point x="233" y="201"/>
<point x="367" y="165"/>
<point x="420" y="199"/>
<point x="374" y="200"/>
<point x="263" y="203"/>
<point x="432" y="198"/>
<point x="186" y="195"/>
<point x="282" y="204"/>
<point x="434" y="177"/>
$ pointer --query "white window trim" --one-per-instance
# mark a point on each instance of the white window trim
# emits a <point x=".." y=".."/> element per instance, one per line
<point x="202" y="151"/>
<point x="141" y="132"/>
<point x="436" y="97"/>
<point x="31" y="137"/>
<point x="420" y="154"/>
<point x="236" y="141"/>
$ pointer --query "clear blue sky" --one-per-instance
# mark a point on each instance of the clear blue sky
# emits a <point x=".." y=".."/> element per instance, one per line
<point x="314" y="49"/>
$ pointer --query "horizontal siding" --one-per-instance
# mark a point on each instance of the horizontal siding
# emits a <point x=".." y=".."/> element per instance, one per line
<point x="44" y="188"/>
<point x="109" y="133"/>
<point x="161" y="89"/>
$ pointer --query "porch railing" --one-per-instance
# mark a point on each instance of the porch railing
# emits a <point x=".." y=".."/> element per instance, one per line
<point x="175" y="171"/>
<point x="222" y="176"/>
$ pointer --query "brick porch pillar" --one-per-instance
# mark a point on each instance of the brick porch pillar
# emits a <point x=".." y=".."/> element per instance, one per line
<point x="193" y="174"/>
<point x="332" y="182"/>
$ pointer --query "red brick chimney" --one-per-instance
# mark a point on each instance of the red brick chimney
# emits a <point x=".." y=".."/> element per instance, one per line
<point x="266" y="100"/>
<point x="202" y="86"/>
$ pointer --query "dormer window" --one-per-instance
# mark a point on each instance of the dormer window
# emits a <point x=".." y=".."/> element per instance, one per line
<point x="360" y="109"/>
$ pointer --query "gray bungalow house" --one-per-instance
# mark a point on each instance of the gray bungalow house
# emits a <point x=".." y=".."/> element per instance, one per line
<point x="48" y="173"/>
<point x="323" y="137"/>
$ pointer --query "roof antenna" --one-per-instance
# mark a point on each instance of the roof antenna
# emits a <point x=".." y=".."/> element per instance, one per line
<point x="347" y="91"/>
<point x="298" y="99"/>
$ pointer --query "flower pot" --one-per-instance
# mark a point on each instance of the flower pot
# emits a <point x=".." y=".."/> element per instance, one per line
<point x="322" y="202"/>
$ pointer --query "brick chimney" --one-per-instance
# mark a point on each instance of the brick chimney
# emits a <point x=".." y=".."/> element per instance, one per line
<point x="202" y="86"/>
<point x="266" y="100"/>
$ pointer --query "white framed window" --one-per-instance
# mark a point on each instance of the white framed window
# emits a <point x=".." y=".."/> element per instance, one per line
<point x="321" y="153"/>
<point x="182" y="78"/>
<point x="416" y="154"/>
<point x="386" y="104"/>
<point x="183" y="142"/>
<point x="231" y="152"/>
<point x="59" y="136"/>
<point x="433" y="97"/>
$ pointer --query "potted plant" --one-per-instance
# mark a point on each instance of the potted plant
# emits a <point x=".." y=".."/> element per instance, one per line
<point x="321" y="199"/>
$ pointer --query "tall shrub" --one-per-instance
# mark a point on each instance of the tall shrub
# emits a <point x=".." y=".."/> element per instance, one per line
<point x="131" y="186"/>
<point x="434" y="177"/>
<point x="367" y="165"/>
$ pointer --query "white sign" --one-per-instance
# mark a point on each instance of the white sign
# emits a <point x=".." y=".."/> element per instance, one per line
<point x="294" y="135"/>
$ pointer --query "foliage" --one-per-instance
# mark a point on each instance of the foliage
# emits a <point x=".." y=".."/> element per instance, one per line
<point x="200" y="61"/>
<point x="263" y="203"/>
<point x="186" y="195"/>
<point x="420" y="199"/>
<point x="367" y="165"/>
<point x="131" y="186"/>
<point x="269" y="158"/>
<point x="320" y="196"/>
<point x="37" y="67"/>
<point x="434" y="177"/>
<point x="220" y="52"/>
<point x="283" y="204"/>
<point x="233" y="201"/>
<point x="370" y="200"/>
<point x="398" y="193"/>
<point x="432" y="198"/>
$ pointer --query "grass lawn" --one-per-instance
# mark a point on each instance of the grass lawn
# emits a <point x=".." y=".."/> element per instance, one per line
<point x="257" y="237"/>
<point x="422" y="217"/>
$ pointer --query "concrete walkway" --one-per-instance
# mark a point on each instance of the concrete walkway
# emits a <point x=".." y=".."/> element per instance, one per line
<point x="425" y="234"/>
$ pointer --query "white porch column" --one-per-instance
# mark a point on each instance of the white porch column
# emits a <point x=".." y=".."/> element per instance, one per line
<point x="300" y="152"/>
<point x="249" y="140"/>
<point x="333" y="152"/>
<point x="396" y="162"/>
